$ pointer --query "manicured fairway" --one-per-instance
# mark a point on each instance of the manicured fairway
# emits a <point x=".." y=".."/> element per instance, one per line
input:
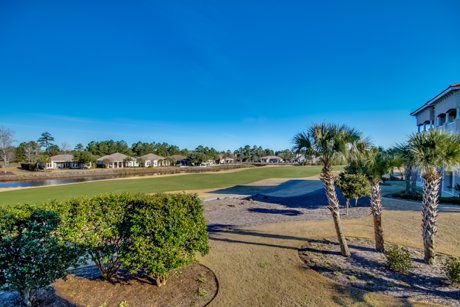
<point x="160" y="184"/>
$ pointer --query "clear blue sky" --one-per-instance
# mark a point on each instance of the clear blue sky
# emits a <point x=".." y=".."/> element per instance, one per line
<point x="221" y="73"/>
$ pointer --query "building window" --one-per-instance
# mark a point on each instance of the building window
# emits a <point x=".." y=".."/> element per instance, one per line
<point x="441" y="119"/>
<point x="451" y="115"/>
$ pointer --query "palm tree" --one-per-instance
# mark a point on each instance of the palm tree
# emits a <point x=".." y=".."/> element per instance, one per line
<point x="377" y="164"/>
<point x="433" y="151"/>
<point x="302" y="144"/>
<point x="330" y="143"/>
<point x="402" y="154"/>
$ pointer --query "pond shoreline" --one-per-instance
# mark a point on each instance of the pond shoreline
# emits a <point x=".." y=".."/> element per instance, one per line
<point x="116" y="173"/>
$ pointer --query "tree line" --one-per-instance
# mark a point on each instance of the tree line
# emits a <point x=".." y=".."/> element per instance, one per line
<point x="34" y="152"/>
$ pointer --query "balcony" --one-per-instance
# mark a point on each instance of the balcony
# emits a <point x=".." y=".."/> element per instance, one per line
<point x="450" y="127"/>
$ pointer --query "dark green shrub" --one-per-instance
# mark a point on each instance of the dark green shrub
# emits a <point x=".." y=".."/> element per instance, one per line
<point x="452" y="269"/>
<point x="353" y="186"/>
<point x="398" y="259"/>
<point x="31" y="256"/>
<point x="95" y="225"/>
<point x="165" y="231"/>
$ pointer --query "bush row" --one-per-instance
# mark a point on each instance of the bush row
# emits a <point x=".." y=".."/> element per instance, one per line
<point x="152" y="235"/>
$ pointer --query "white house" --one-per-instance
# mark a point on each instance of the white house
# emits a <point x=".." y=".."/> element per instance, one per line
<point x="63" y="161"/>
<point x="152" y="160"/>
<point x="271" y="159"/>
<point x="443" y="113"/>
<point x="226" y="160"/>
<point x="117" y="160"/>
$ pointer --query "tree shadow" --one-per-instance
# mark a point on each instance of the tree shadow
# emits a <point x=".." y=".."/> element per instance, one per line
<point x="276" y="211"/>
<point x="376" y="278"/>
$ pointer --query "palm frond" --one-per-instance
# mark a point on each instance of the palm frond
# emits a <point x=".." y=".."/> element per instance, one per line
<point x="434" y="149"/>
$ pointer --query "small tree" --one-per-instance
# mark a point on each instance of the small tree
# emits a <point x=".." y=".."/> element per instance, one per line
<point x="31" y="256"/>
<point x="353" y="186"/>
<point x="28" y="152"/>
<point x="6" y="146"/>
<point x="83" y="157"/>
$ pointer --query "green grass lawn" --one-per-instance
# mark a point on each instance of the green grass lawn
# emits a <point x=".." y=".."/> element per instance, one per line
<point x="160" y="184"/>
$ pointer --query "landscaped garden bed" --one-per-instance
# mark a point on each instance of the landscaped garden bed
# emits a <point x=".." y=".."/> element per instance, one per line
<point x="367" y="269"/>
<point x="137" y="243"/>
<point x="195" y="285"/>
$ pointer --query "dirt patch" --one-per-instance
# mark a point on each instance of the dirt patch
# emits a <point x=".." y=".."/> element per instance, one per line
<point x="366" y="269"/>
<point x="196" y="285"/>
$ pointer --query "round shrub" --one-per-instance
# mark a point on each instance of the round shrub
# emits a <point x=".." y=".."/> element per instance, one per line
<point x="31" y="256"/>
<point x="398" y="259"/>
<point x="165" y="231"/>
<point x="452" y="269"/>
<point x="95" y="224"/>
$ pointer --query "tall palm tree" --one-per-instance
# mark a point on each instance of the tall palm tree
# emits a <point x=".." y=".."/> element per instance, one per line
<point x="330" y="143"/>
<point x="377" y="164"/>
<point x="433" y="151"/>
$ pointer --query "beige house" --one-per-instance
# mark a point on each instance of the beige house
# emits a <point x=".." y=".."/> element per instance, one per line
<point x="442" y="112"/>
<point x="152" y="160"/>
<point x="63" y="161"/>
<point x="117" y="160"/>
<point x="271" y="160"/>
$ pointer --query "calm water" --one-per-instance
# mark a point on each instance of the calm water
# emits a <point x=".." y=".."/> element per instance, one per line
<point x="39" y="183"/>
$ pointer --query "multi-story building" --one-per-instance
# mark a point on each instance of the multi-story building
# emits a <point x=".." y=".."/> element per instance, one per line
<point x="443" y="112"/>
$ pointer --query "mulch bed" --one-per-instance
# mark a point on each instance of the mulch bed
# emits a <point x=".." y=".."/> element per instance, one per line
<point x="366" y="269"/>
<point x="196" y="285"/>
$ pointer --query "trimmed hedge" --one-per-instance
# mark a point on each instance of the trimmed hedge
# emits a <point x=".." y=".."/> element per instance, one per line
<point x="153" y="234"/>
<point x="445" y="200"/>
<point x="96" y="226"/>
<point x="165" y="231"/>
<point x="148" y="234"/>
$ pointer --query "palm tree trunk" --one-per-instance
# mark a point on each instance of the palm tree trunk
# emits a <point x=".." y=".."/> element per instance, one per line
<point x="413" y="187"/>
<point x="407" y="176"/>
<point x="431" y="185"/>
<point x="376" y="209"/>
<point x="328" y="181"/>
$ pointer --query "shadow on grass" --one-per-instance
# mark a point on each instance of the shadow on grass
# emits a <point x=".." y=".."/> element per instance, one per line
<point x="276" y="211"/>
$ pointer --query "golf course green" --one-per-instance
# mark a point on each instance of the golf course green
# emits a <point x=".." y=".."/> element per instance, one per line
<point x="158" y="184"/>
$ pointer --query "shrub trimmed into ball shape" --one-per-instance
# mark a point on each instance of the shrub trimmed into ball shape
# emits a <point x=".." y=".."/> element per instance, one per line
<point x="165" y="231"/>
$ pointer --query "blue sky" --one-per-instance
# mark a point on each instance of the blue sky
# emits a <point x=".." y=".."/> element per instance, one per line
<point x="221" y="73"/>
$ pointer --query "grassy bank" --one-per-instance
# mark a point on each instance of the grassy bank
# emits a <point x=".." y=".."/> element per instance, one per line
<point x="160" y="184"/>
